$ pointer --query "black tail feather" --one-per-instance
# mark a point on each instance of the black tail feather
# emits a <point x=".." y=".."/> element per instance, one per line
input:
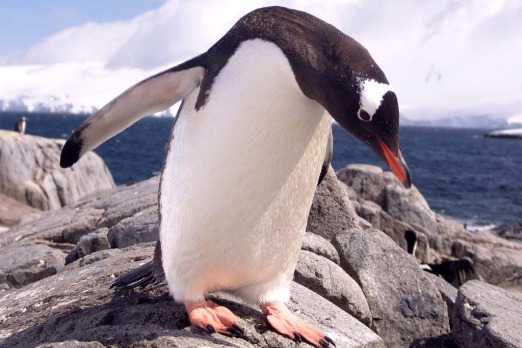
<point x="140" y="277"/>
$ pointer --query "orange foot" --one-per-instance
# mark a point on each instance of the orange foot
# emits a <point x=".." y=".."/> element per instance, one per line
<point x="286" y="323"/>
<point x="213" y="318"/>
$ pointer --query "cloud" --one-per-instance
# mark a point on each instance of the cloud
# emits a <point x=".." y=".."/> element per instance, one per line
<point x="443" y="58"/>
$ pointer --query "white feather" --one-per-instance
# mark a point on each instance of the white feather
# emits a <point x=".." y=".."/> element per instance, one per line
<point x="239" y="180"/>
<point x="371" y="94"/>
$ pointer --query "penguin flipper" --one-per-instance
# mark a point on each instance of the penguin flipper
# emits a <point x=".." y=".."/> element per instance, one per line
<point x="151" y="95"/>
<point x="150" y="273"/>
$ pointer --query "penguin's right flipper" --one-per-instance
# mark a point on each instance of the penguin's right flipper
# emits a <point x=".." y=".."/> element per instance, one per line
<point x="327" y="157"/>
<point x="150" y="273"/>
<point x="151" y="95"/>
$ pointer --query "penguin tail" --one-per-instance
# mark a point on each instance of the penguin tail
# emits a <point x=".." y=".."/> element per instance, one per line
<point x="142" y="276"/>
<point x="148" y="274"/>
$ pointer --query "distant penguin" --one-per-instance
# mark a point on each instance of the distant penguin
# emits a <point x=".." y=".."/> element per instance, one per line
<point x="21" y="125"/>
<point x="248" y="148"/>
<point x="454" y="271"/>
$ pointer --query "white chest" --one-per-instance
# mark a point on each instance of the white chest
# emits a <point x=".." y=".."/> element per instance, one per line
<point x="240" y="175"/>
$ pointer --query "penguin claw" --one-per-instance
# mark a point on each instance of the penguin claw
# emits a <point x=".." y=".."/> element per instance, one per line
<point x="213" y="318"/>
<point x="287" y="324"/>
<point x="323" y="343"/>
<point x="211" y="329"/>
<point x="236" y="330"/>
<point x="328" y="339"/>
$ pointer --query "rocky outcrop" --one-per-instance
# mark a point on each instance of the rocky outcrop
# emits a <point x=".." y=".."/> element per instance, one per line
<point x="512" y="231"/>
<point x="12" y="211"/>
<point x="128" y="216"/>
<point x="31" y="173"/>
<point x="353" y="279"/>
<point x="77" y="305"/>
<point x="405" y="306"/>
<point x="332" y="210"/>
<point x="399" y="212"/>
<point x="487" y="316"/>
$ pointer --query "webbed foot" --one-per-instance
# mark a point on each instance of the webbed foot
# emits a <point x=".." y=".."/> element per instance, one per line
<point x="288" y="324"/>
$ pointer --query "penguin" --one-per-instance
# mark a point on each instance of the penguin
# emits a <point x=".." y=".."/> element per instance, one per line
<point x="20" y="125"/>
<point x="250" y="142"/>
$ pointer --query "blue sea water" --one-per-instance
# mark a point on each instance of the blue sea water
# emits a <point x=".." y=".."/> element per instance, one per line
<point x="463" y="175"/>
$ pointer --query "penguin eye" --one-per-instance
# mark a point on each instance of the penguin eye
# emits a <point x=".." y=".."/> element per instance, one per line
<point x="363" y="115"/>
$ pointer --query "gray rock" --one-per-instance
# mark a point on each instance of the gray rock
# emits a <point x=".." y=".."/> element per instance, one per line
<point x="487" y="316"/>
<point x="496" y="260"/>
<point x="447" y="291"/>
<point x="88" y="244"/>
<point x="404" y="305"/>
<point x="24" y="263"/>
<point x="330" y="281"/>
<point x="12" y="211"/>
<point x="512" y="231"/>
<point x="443" y="341"/>
<point x="139" y="228"/>
<point x="82" y="224"/>
<point x="366" y="180"/>
<point x="407" y="205"/>
<point x="320" y="246"/>
<point x="71" y="344"/>
<point x="77" y="305"/>
<point x="31" y="173"/>
<point x="331" y="210"/>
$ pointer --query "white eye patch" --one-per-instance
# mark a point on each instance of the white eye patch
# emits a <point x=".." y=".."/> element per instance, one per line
<point x="371" y="94"/>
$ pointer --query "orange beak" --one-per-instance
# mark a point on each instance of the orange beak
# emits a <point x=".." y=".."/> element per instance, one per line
<point x="396" y="164"/>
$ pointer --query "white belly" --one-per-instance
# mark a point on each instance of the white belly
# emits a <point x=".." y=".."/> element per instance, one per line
<point x="239" y="179"/>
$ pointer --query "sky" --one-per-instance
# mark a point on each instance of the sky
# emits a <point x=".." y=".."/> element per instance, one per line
<point x="443" y="58"/>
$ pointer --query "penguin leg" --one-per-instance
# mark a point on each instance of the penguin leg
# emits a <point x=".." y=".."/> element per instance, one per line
<point x="288" y="324"/>
<point x="211" y="317"/>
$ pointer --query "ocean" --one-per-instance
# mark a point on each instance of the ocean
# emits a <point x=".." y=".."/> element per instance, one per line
<point x="475" y="180"/>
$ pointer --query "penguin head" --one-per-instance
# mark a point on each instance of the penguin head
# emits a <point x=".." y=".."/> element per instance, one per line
<point x="375" y="121"/>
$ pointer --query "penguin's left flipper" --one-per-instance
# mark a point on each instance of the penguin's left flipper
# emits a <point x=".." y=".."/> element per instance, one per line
<point x="288" y="324"/>
<point x="151" y="95"/>
<point x="213" y="318"/>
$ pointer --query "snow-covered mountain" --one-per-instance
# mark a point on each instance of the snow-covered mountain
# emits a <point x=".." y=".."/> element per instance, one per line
<point x="50" y="104"/>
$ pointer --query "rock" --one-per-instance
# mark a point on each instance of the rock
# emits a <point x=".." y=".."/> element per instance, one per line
<point x="496" y="260"/>
<point x="366" y="180"/>
<point x="82" y="224"/>
<point x="443" y="341"/>
<point x="405" y="306"/>
<point x="407" y="205"/>
<point x="77" y="305"/>
<point x="320" y="246"/>
<point x="88" y="244"/>
<point x="487" y="316"/>
<point x="139" y="228"/>
<point x="511" y="231"/>
<point x="24" y="263"/>
<point x="447" y="291"/>
<point x="12" y="211"/>
<point x="330" y="281"/>
<point x="31" y="173"/>
<point x="331" y="210"/>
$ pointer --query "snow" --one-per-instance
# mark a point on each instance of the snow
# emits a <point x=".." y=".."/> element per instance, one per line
<point x="72" y="87"/>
